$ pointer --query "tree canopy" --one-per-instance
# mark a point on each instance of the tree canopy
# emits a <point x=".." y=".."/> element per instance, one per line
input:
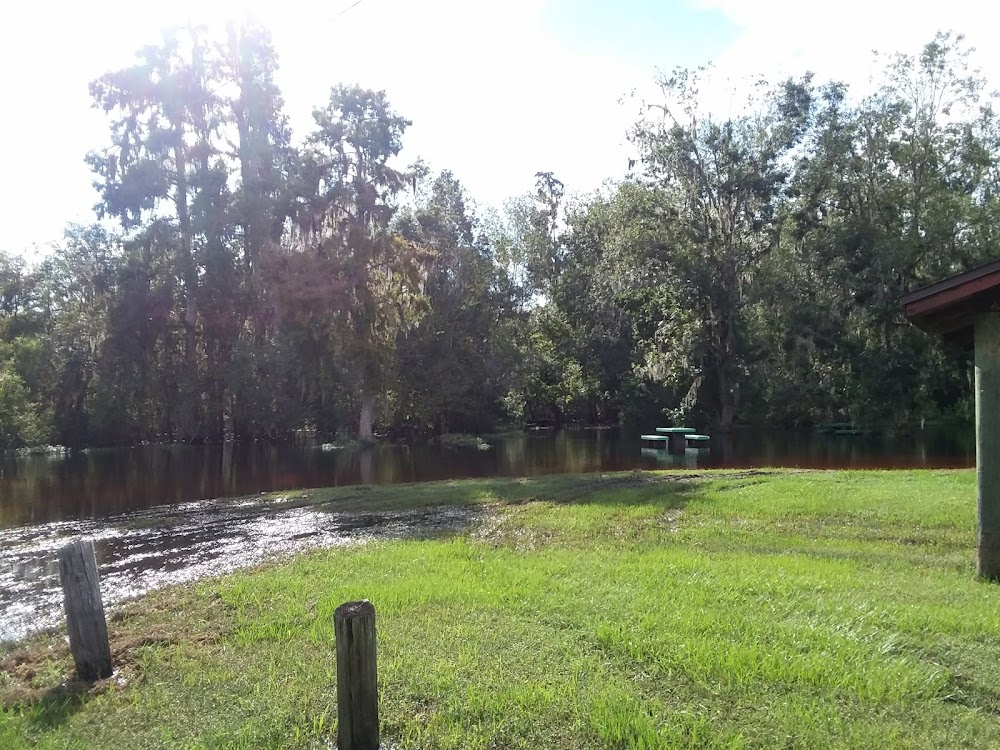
<point x="242" y="281"/>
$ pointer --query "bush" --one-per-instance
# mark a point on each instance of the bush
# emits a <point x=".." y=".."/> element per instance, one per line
<point x="21" y="423"/>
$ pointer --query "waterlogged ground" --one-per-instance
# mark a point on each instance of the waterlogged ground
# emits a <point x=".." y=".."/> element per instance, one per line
<point x="678" y="610"/>
<point x="149" y="549"/>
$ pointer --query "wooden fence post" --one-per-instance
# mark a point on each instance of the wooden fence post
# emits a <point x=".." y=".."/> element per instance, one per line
<point x="88" y="630"/>
<point x="357" y="676"/>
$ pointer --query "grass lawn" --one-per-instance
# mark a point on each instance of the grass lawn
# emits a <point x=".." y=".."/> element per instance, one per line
<point x="788" y="610"/>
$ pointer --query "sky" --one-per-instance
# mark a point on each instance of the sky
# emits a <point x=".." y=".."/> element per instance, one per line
<point x="497" y="91"/>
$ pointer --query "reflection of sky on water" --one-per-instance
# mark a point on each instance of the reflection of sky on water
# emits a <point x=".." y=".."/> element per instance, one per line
<point x="151" y="549"/>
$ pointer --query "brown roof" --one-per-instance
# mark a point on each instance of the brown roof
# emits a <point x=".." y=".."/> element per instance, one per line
<point x="949" y="307"/>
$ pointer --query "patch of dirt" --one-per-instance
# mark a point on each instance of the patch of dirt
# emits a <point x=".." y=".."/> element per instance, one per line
<point x="639" y="478"/>
<point x="42" y="669"/>
<point x="500" y="530"/>
<point x="970" y="693"/>
<point x="582" y="489"/>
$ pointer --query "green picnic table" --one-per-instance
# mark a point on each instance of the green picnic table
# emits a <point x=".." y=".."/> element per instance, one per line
<point x="676" y="442"/>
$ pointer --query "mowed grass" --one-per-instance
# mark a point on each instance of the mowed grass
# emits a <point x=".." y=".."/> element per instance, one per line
<point x="788" y="610"/>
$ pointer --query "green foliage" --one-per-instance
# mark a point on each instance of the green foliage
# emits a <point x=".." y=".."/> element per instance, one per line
<point x="352" y="283"/>
<point x="454" y="368"/>
<point x="753" y="272"/>
<point x="749" y="270"/>
<point x="552" y="386"/>
<point x="22" y="422"/>
<point x="722" y="184"/>
<point x="893" y="193"/>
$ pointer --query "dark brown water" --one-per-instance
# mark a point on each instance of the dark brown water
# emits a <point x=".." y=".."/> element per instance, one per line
<point x="102" y="483"/>
<point x="155" y="516"/>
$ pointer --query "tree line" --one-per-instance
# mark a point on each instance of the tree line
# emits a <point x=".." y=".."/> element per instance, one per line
<point x="244" y="284"/>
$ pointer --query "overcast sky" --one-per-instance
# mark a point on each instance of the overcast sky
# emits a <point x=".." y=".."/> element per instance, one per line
<point x="496" y="90"/>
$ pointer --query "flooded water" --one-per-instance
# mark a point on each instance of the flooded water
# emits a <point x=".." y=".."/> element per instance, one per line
<point x="102" y="483"/>
<point x="154" y="514"/>
<point x="145" y="550"/>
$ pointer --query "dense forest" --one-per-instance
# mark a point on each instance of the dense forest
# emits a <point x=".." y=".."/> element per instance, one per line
<point x="239" y="282"/>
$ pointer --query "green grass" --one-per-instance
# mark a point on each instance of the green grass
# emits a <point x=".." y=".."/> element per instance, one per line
<point x="810" y="610"/>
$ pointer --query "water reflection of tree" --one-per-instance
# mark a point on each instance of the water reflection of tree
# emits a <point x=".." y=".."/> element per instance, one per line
<point x="365" y="462"/>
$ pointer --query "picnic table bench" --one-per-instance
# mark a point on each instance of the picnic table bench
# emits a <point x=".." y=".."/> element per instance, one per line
<point x="677" y="439"/>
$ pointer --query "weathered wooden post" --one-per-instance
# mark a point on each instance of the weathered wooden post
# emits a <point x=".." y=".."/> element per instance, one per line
<point x="88" y="630"/>
<point x="987" y="333"/>
<point x="357" y="676"/>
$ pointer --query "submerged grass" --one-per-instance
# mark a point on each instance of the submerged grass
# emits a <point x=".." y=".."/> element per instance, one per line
<point x="456" y="440"/>
<point x="720" y="610"/>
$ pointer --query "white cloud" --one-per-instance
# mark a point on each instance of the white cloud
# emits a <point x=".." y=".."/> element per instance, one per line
<point x="491" y="96"/>
<point x="835" y="41"/>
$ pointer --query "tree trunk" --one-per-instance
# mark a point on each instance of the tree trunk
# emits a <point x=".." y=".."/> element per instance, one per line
<point x="257" y="207"/>
<point x="726" y="399"/>
<point x="726" y="353"/>
<point x="367" y="414"/>
<point x="189" y="277"/>
<point x="367" y="466"/>
<point x="727" y="416"/>
<point x="216" y="409"/>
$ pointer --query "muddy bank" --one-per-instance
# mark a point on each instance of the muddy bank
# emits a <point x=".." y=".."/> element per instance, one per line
<point x="145" y="550"/>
